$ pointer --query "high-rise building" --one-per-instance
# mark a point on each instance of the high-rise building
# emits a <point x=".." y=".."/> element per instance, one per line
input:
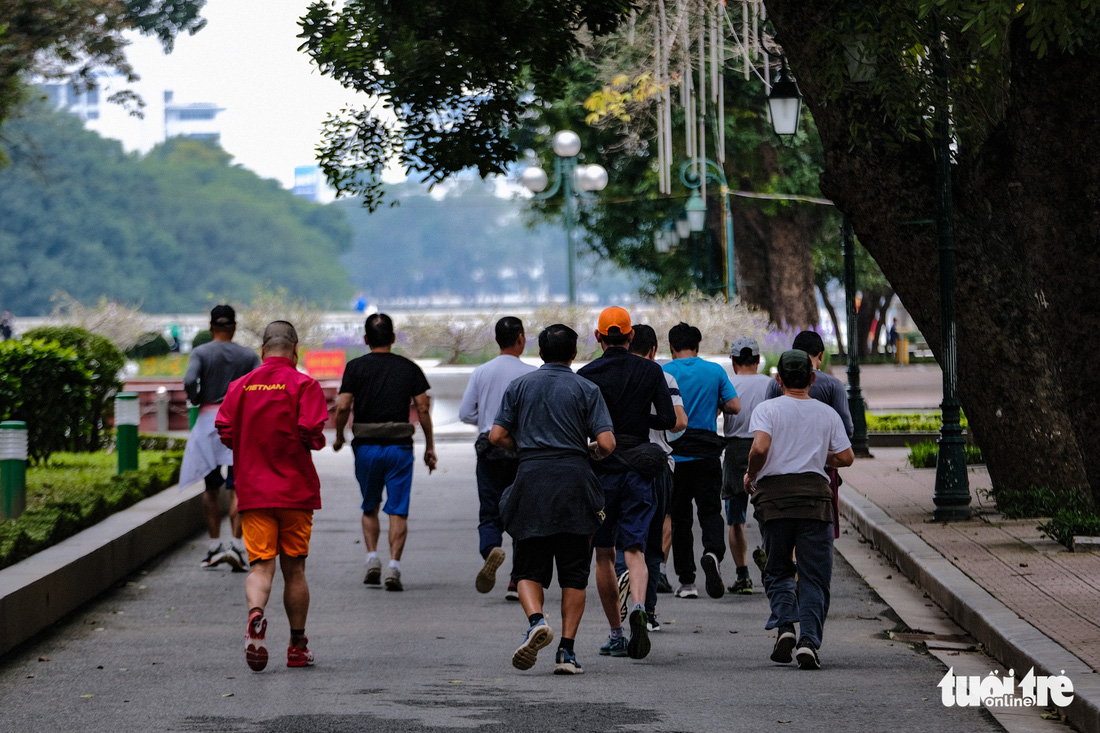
<point x="196" y="120"/>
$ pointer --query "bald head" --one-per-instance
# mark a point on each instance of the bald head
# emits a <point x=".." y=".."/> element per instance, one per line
<point x="280" y="339"/>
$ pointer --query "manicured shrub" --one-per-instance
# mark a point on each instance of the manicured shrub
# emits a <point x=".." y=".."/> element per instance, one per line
<point x="923" y="455"/>
<point x="202" y="337"/>
<point x="149" y="344"/>
<point x="103" y="361"/>
<point x="45" y="385"/>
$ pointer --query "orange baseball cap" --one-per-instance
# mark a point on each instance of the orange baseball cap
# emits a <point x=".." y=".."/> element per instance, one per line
<point x="614" y="316"/>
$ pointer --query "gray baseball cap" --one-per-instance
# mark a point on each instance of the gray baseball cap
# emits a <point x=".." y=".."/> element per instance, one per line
<point x="744" y="343"/>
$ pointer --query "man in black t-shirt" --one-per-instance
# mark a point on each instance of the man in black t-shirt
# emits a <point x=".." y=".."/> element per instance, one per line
<point x="379" y="388"/>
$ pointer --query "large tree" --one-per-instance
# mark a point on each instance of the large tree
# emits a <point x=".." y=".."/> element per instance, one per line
<point x="1026" y="198"/>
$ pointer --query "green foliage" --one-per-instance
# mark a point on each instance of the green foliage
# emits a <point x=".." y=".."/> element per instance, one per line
<point x="923" y="455"/>
<point x="103" y="361"/>
<point x="1070" y="513"/>
<point x="1069" y="523"/>
<point x="77" y="490"/>
<point x="168" y="232"/>
<point x="451" y="78"/>
<point x="906" y="423"/>
<point x="202" y="337"/>
<point x="45" y="385"/>
<point x="150" y="345"/>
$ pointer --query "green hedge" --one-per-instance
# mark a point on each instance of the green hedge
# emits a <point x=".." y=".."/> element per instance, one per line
<point x="1069" y="513"/>
<point x="923" y="455"/>
<point x="906" y="423"/>
<point x="74" y="493"/>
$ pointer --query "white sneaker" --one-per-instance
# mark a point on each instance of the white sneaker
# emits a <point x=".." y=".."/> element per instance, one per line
<point x="687" y="590"/>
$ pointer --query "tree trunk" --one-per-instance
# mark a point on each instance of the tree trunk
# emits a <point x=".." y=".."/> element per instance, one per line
<point x="1026" y="207"/>
<point x="840" y="337"/>
<point x="776" y="265"/>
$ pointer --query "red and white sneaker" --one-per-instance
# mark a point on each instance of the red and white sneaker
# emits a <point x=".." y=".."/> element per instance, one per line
<point x="255" y="651"/>
<point x="299" y="656"/>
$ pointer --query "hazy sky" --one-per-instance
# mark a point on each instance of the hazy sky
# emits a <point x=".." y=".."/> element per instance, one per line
<point x="245" y="60"/>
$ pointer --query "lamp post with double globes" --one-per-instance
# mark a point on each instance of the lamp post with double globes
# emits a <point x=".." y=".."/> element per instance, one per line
<point x="575" y="182"/>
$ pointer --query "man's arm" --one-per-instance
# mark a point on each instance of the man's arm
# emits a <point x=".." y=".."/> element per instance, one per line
<point x="731" y="407"/>
<point x="665" y="416"/>
<point x="681" y="419"/>
<point x="501" y="438"/>
<point x="839" y="402"/>
<point x="758" y="455"/>
<point x="312" y="416"/>
<point x="191" y="378"/>
<point x="603" y="447"/>
<point x="467" y="411"/>
<point x="843" y="459"/>
<point x="423" y="412"/>
<point x="223" y="422"/>
<point x="344" y="402"/>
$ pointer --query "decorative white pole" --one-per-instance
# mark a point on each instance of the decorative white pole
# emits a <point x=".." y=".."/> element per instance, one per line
<point x="127" y="418"/>
<point x="13" y="468"/>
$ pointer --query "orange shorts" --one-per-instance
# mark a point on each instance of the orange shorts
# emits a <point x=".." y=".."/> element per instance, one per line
<point x="271" y="532"/>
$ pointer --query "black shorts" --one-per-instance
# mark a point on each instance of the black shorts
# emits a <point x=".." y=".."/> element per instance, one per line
<point x="533" y="559"/>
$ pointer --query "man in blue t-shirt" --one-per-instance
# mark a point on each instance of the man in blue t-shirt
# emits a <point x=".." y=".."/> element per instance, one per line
<point x="705" y="389"/>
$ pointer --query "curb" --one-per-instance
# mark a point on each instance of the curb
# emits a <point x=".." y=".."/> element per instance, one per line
<point x="41" y="590"/>
<point x="1005" y="635"/>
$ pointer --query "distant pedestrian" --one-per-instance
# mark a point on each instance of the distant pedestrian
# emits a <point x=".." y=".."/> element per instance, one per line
<point x="637" y="398"/>
<point x="556" y="503"/>
<point x="272" y="418"/>
<point x="496" y="468"/>
<point x="892" y="338"/>
<point x="698" y="477"/>
<point x="7" y="323"/>
<point x="380" y="387"/>
<point x="794" y="438"/>
<point x="751" y="387"/>
<point x="210" y="369"/>
<point x="644" y="344"/>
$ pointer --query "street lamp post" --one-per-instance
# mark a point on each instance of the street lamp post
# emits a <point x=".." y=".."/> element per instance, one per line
<point x="575" y="182"/>
<point x="952" y="492"/>
<point x="693" y="173"/>
<point x="856" y="405"/>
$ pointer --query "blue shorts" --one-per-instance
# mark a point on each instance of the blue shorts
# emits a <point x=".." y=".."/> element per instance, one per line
<point x="385" y="466"/>
<point x="629" y="504"/>
<point x="736" y="509"/>
<point x="733" y="479"/>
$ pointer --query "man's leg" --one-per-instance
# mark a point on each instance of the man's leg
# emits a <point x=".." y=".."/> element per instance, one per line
<point x="211" y="506"/>
<point x="814" y="541"/>
<point x="257" y="586"/>
<point x="295" y="595"/>
<point x="572" y="609"/>
<point x="399" y="531"/>
<point x="371" y="530"/>
<point x="398" y="461"/>
<point x="534" y="567"/>
<point x="683" y="541"/>
<point x="370" y="474"/>
<point x="234" y="515"/>
<point x="708" y="500"/>
<point x="607" y="585"/>
<point x="493" y="477"/>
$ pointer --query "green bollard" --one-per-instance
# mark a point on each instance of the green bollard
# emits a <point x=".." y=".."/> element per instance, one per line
<point x="13" y="468"/>
<point x="127" y="417"/>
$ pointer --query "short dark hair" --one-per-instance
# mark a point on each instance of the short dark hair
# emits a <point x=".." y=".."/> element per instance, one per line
<point x="810" y="342"/>
<point x="280" y="336"/>
<point x="745" y="357"/>
<point x="379" y="330"/>
<point x="557" y="343"/>
<point x="614" y="337"/>
<point x="645" y="339"/>
<point x="508" y="331"/>
<point x="683" y="337"/>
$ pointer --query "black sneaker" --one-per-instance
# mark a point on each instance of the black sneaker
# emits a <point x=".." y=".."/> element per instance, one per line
<point x="638" y="646"/>
<point x="784" y="644"/>
<point x="714" y="585"/>
<point x="806" y="654"/>
<point x="651" y="621"/>
<point x="663" y="586"/>
<point x="742" y="586"/>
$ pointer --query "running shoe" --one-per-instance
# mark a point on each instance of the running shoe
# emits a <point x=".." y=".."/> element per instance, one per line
<point x="638" y="646"/>
<point x="651" y="621"/>
<point x="614" y="647"/>
<point x="374" y="572"/>
<point x="255" y="651"/>
<point x="714" y="585"/>
<point x="663" y="586"/>
<point x="742" y="586"/>
<point x="512" y="594"/>
<point x="687" y="590"/>
<point x="487" y="576"/>
<point x="784" y="643"/>
<point x="234" y="559"/>
<point x="538" y="636"/>
<point x="213" y="557"/>
<point x="565" y="662"/>
<point x="761" y="559"/>
<point x="299" y="656"/>
<point x="806" y="654"/>
<point x="624" y="595"/>
<point x="393" y="579"/>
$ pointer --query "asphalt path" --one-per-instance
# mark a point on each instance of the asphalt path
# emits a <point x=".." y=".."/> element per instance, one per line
<point x="164" y="650"/>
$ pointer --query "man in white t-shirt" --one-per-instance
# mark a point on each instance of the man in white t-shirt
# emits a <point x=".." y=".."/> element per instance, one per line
<point x="496" y="468"/>
<point x="751" y="387"/>
<point x="794" y="438"/>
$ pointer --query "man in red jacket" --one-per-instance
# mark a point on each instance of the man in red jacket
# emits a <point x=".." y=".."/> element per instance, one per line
<point x="272" y="418"/>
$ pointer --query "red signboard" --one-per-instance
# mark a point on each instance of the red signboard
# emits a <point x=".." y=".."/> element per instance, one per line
<point x="325" y="364"/>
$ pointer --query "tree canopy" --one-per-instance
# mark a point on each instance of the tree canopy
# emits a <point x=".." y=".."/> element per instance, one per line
<point x="169" y="231"/>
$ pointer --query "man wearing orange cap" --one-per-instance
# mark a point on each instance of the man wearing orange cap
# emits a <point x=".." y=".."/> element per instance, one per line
<point x="638" y="399"/>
